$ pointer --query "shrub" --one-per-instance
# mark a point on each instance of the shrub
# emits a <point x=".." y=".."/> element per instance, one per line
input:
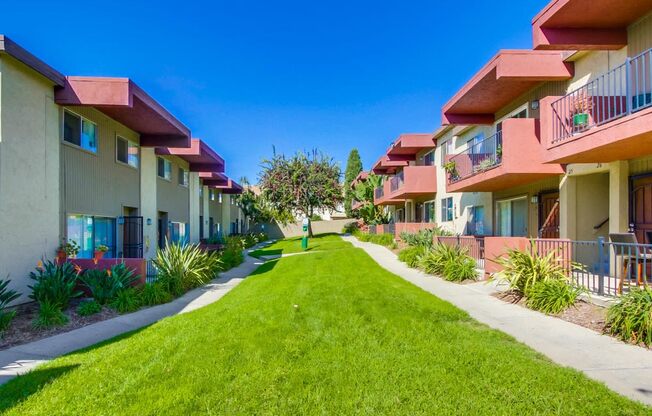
<point x="350" y="228"/>
<point x="154" y="294"/>
<point x="232" y="255"/>
<point x="6" y="297"/>
<point x="435" y="261"/>
<point x="384" y="239"/>
<point x="631" y="318"/>
<point x="49" y="315"/>
<point x="55" y="284"/>
<point x="423" y="237"/>
<point x="522" y="269"/>
<point x="461" y="268"/>
<point x="552" y="296"/>
<point x="184" y="266"/>
<point x="89" y="307"/>
<point x="127" y="300"/>
<point x="411" y="256"/>
<point x="104" y="285"/>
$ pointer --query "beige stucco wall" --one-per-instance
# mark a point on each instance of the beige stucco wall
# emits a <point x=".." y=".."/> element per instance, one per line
<point x="172" y="197"/>
<point x="462" y="201"/>
<point x="215" y="212"/>
<point x="194" y="207"/>
<point x="148" y="200"/>
<point x="29" y="172"/>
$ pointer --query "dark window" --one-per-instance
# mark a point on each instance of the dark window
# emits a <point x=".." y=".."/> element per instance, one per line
<point x="72" y="128"/>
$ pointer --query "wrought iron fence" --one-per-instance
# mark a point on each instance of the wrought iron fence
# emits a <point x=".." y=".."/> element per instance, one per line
<point x="474" y="246"/>
<point x="602" y="267"/>
<point x="481" y="156"/>
<point x="623" y="90"/>
<point x="152" y="271"/>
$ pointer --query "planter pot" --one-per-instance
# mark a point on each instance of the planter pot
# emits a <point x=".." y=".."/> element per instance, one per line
<point x="61" y="255"/>
<point x="97" y="255"/>
<point x="580" y="119"/>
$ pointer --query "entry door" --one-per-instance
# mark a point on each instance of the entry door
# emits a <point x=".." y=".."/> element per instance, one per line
<point x="549" y="215"/>
<point x="132" y="230"/>
<point x="511" y="218"/>
<point x="641" y="202"/>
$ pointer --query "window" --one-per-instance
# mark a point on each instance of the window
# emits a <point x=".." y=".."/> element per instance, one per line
<point x="477" y="144"/>
<point x="219" y="197"/>
<point x="201" y="191"/>
<point x="164" y="169"/>
<point x="475" y="222"/>
<point x="429" y="158"/>
<point x="89" y="232"/>
<point x="447" y="209"/>
<point x="127" y="152"/>
<point x="179" y="232"/>
<point x="446" y="149"/>
<point x="511" y="217"/>
<point x="183" y="177"/>
<point x="79" y="131"/>
<point x="429" y="211"/>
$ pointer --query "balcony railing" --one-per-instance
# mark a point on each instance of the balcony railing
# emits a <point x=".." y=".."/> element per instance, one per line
<point x="477" y="158"/>
<point x="379" y="192"/>
<point x="397" y="181"/>
<point x="621" y="91"/>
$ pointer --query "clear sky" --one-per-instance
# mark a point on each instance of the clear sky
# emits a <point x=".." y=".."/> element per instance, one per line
<point x="248" y="75"/>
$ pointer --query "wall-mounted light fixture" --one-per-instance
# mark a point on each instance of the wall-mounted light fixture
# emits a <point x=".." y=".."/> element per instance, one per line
<point x="534" y="104"/>
<point x="535" y="199"/>
<point x="149" y="221"/>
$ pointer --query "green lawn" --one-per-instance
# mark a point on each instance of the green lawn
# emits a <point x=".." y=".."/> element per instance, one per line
<point x="319" y="242"/>
<point x="325" y="333"/>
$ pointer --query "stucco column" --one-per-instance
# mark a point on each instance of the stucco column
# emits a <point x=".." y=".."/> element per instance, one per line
<point x="148" y="207"/>
<point x="226" y="214"/>
<point x="618" y="197"/>
<point x="206" y="212"/>
<point x="567" y="207"/>
<point x="193" y="192"/>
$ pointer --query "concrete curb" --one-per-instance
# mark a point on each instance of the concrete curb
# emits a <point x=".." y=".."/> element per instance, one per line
<point x="23" y="358"/>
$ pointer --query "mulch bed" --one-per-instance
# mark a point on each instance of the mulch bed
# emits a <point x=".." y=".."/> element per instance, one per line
<point x="22" y="331"/>
<point x="583" y="313"/>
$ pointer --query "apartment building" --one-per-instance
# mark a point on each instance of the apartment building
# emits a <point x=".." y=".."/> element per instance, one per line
<point x="95" y="160"/>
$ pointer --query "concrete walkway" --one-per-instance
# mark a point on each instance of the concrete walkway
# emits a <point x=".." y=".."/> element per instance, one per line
<point x="624" y="368"/>
<point x="22" y="358"/>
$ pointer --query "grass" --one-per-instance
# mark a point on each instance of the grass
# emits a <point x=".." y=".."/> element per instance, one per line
<point x="327" y="333"/>
<point x="320" y="242"/>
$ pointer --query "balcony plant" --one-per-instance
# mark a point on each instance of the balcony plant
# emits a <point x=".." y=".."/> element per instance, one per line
<point x="451" y="168"/>
<point x="67" y="249"/>
<point x="581" y="105"/>
<point x="100" y="251"/>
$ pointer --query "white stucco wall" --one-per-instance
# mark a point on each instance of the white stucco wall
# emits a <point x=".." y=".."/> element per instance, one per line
<point x="29" y="172"/>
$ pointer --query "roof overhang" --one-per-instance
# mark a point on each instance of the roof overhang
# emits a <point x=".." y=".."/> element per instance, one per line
<point x="509" y="74"/>
<point x="586" y="24"/>
<point x="213" y="179"/>
<point x="124" y="101"/>
<point x="411" y="144"/>
<point x="231" y="187"/>
<point x="200" y="157"/>
<point x="11" y="48"/>
<point x="386" y="164"/>
<point x="362" y="176"/>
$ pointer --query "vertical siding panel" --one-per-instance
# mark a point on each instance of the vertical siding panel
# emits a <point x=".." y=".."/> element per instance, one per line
<point x="172" y="197"/>
<point x="639" y="36"/>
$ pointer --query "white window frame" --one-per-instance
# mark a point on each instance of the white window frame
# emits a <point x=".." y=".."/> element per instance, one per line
<point x="450" y="210"/>
<point x="81" y="129"/>
<point x="184" y="177"/>
<point x="432" y="152"/>
<point x="130" y="143"/>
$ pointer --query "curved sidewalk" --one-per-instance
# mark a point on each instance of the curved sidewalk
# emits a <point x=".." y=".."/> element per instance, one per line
<point x="22" y="358"/>
<point x="624" y="368"/>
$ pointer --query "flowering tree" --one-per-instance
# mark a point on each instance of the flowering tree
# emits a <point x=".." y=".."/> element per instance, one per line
<point x="301" y="184"/>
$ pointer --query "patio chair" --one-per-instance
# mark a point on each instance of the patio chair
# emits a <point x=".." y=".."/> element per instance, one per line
<point x="630" y="253"/>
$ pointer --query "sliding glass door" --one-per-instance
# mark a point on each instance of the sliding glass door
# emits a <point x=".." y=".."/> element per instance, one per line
<point x="90" y="232"/>
<point x="511" y="217"/>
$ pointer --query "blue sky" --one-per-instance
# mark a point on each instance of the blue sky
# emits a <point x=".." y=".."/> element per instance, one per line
<point x="249" y="75"/>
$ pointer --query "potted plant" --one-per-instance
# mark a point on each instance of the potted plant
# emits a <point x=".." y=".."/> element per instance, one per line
<point x="580" y="107"/>
<point x="99" y="251"/>
<point x="67" y="249"/>
<point x="451" y="168"/>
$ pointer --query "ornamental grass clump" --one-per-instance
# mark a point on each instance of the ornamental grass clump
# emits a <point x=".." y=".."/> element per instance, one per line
<point x="423" y="237"/>
<point x="6" y="297"/>
<point x="450" y="262"/>
<point x="631" y="319"/>
<point x="552" y="296"/>
<point x="411" y="256"/>
<point x="185" y="266"/>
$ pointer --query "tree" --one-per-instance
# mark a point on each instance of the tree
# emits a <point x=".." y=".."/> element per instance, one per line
<point x="353" y="168"/>
<point x="300" y="184"/>
<point x="364" y="193"/>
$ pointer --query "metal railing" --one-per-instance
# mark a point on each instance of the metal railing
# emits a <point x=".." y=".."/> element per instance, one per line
<point x="152" y="271"/>
<point x="397" y="181"/>
<point x="474" y="246"/>
<point x="602" y="267"/>
<point x="478" y="158"/>
<point x="379" y="192"/>
<point x="621" y="91"/>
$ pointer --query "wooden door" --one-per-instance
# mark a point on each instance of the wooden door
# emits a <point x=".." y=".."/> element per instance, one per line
<point x="549" y="215"/>
<point x="641" y="203"/>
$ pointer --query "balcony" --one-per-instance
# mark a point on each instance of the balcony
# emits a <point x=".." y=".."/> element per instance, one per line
<point x="607" y="119"/>
<point x="413" y="181"/>
<point x="384" y="196"/>
<point x="509" y="158"/>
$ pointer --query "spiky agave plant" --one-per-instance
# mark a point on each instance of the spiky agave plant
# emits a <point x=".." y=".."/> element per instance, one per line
<point x="441" y="254"/>
<point x="6" y="296"/>
<point x="631" y="318"/>
<point x="459" y="268"/>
